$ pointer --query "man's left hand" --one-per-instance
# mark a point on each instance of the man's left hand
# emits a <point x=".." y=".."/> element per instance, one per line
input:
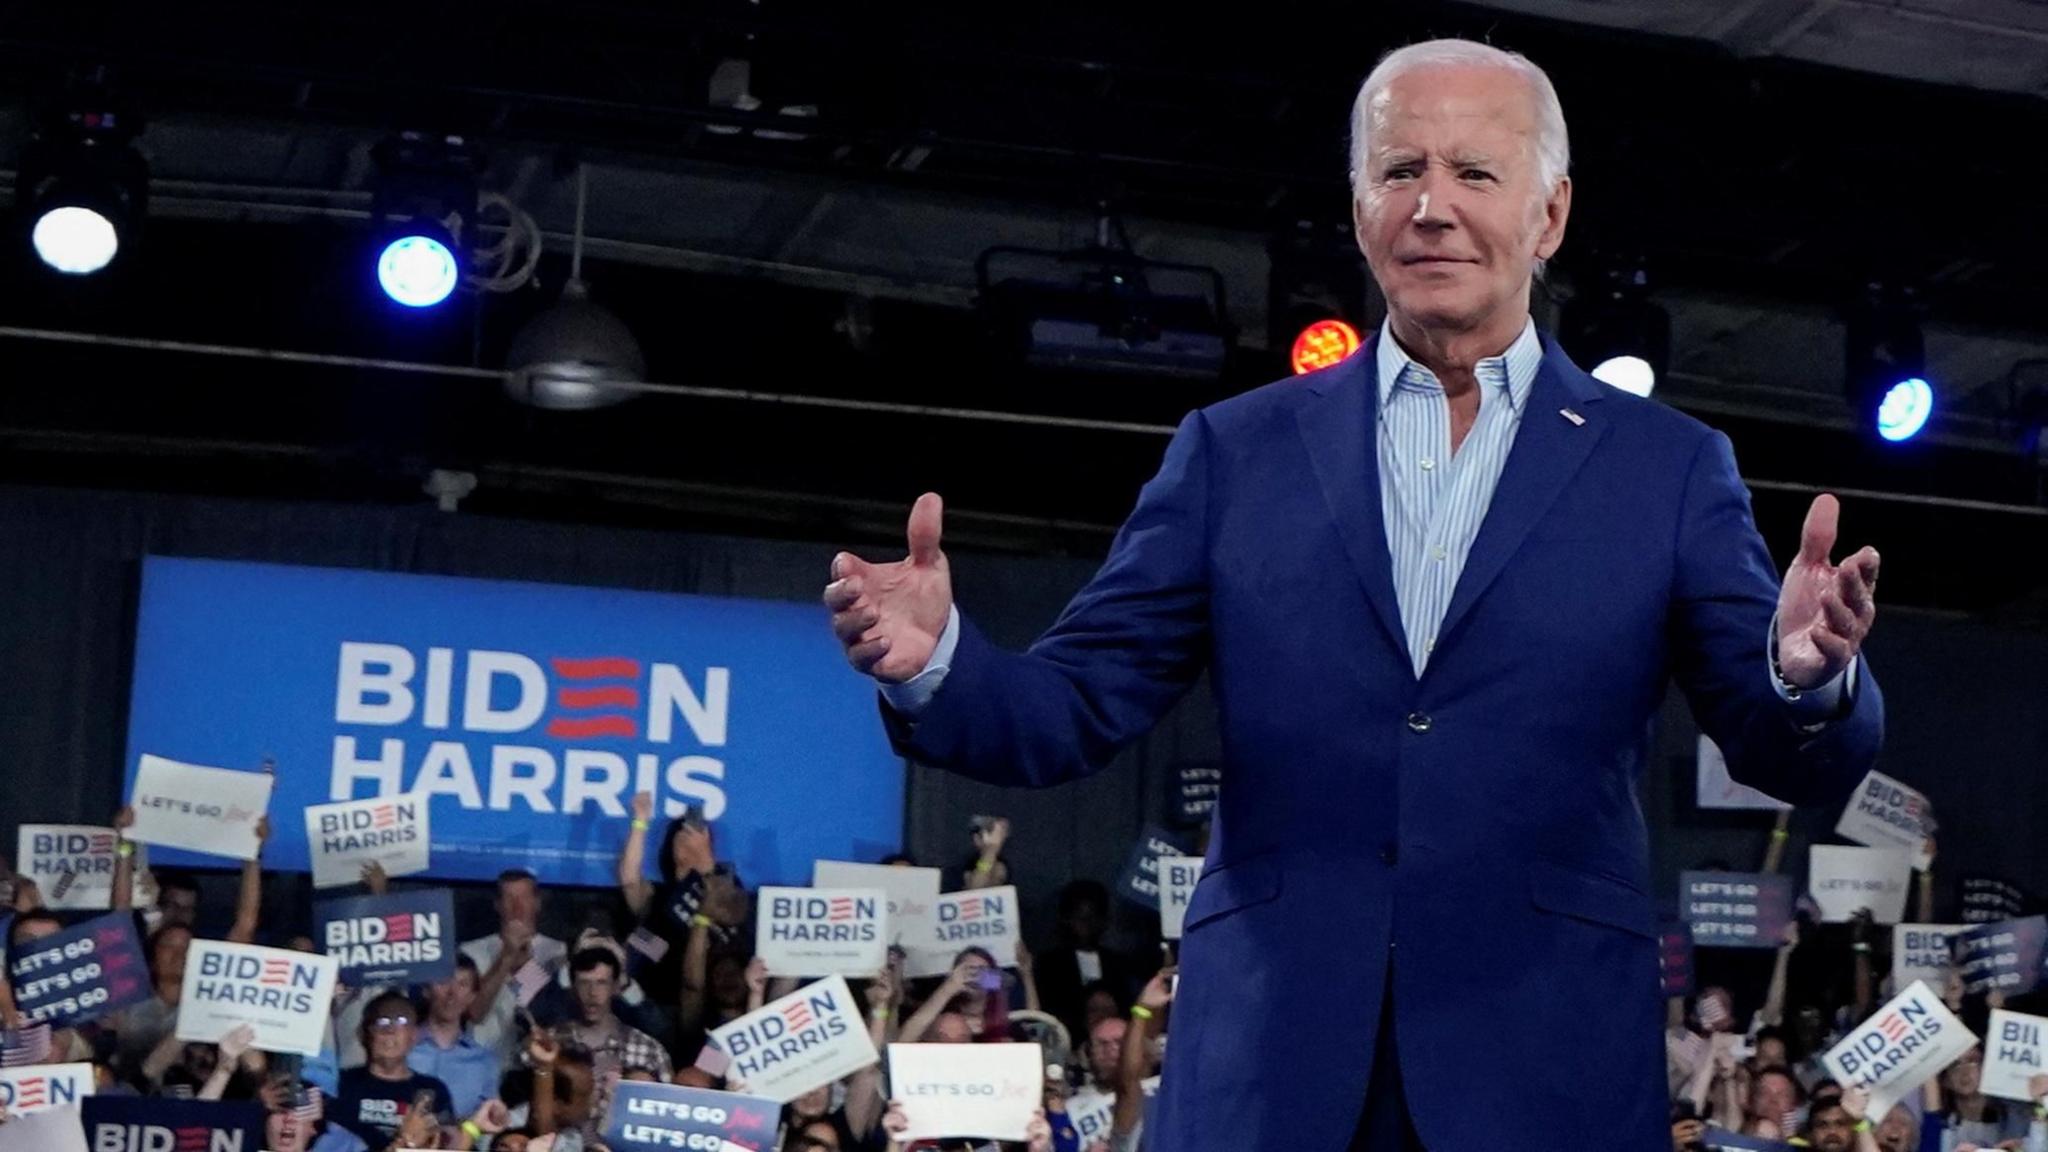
<point x="1824" y="610"/>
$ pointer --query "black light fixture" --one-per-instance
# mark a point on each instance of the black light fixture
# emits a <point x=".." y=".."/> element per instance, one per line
<point x="82" y="186"/>
<point x="426" y="194"/>
<point x="1612" y="326"/>
<point x="1885" y="362"/>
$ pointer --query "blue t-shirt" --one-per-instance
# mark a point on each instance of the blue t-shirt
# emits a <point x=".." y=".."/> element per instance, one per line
<point x="373" y="1108"/>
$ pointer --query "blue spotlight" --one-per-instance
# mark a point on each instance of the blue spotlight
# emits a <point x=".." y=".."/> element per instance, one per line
<point x="417" y="270"/>
<point x="1905" y="409"/>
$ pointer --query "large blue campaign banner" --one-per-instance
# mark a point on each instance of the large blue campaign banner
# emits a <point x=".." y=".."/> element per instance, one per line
<point x="528" y="714"/>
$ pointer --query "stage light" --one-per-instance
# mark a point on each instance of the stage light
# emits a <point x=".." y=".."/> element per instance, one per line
<point x="75" y="240"/>
<point x="1885" y="373"/>
<point x="82" y="188"/>
<point x="1905" y="409"/>
<point x="1613" y="325"/>
<point x="417" y="270"/>
<point x="1323" y="343"/>
<point x="1631" y="374"/>
<point x="425" y="198"/>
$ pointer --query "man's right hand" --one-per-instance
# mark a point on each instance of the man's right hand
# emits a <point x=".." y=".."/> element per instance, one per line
<point x="889" y="616"/>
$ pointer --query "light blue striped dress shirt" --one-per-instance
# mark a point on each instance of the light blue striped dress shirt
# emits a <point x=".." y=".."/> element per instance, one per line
<point x="1433" y="499"/>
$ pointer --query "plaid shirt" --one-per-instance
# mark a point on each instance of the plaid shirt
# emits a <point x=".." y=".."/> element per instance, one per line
<point x="624" y="1048"/>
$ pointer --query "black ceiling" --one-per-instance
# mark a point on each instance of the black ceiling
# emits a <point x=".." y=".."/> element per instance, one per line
<point x="1771" y="180"/>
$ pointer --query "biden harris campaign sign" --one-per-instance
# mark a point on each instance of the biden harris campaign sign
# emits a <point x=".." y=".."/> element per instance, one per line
<point x="527" y="715"/>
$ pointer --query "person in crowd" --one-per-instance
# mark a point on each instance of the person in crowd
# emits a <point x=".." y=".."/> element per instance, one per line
<point x="565" y="1091"/>
<point x="714" y="990"/>
<point x="448" y="1049"/>
<point x="143" y="1027"/>
<point x="595" y="973"/>
<point x="896" y="1121"/>
<point x="686" y="860"/>
<point x="1957" y="1111"/>
<point x="1079" y="964"/>
<point x="970" y="991"/>
<point x="501" y="955"/>
<point x="375" y="1099"/>
<point x="1106" y="1053"/>
<point x="1136" y="1062"/>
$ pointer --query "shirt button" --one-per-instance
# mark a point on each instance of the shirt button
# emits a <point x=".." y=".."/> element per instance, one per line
<point x="1437" y="553"/>
<point x="1418" y="722"/>
<point x="1428" y="464"/>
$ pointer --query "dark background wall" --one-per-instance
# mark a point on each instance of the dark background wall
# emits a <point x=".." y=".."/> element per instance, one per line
<point x="1967" y="720"/>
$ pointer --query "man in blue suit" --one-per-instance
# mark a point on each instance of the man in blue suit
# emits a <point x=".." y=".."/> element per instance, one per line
<point x="1439" y="588"/>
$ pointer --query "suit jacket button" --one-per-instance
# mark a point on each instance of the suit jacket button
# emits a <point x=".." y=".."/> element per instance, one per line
<point x="1418" y="722"/>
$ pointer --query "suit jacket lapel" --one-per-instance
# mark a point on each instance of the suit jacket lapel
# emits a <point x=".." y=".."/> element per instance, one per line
<point x="1339" y="420"/>
<point x="1548" y="450"/>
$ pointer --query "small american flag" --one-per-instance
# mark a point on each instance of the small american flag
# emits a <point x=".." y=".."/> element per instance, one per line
<point x="647" y="944"/>
<point x="713" y="1061"/>
<point x="528" y="981"/>
<point x="29" y="1046"/>
<point x="307" y="1105"/>
<point x="1788" y="1124"/>
<point x="1690" y="1049"/>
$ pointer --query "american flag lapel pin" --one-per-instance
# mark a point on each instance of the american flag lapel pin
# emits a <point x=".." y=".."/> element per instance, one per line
<point x="1576" y="419"/>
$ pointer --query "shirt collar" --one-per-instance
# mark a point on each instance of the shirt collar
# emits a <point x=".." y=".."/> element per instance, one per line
<point x="1514" y="370"/>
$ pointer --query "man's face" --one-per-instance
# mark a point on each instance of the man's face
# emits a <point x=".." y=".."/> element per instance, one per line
<point x="594" y="991"/>
<point x="1770" y="1053"/>
<point x="951" y="1028"/>
<point x="392" y="1032"/>
<point x="1772" y="1097"/>
<point x="1833" y="1131"/>
<point x="1085" y="923"/>
<point x="1106" y="1048"/>
<point x="1448" y="210"/>
<point x="179" y="905"/>
<point x="450" y="1000"/>
<point x="518" y="902"/>
<point x="172" y="944"/>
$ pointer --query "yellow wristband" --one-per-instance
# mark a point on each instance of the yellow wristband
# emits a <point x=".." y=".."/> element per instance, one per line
<point x="878" y="1013"/>
<point x="639" y="825"/>
<point x="473" y="1130"/>
<point x="1780" y="834"/>
<point x="124" y="849"/>
<point x="982" y="866"/>
<point x="1141" y="1012"/>
<point x="1863" y="1125"/>
<point x="700" y="920"/>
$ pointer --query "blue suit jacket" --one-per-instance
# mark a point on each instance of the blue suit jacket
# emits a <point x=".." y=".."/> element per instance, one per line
<point x="1478" y="828"/>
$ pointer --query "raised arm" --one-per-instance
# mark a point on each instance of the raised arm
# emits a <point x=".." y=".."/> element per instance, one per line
<point x="124" y="861"/>
<point x="959" y="980"/>
<point x="864" y="1088"/>
<point x="1131" y="1068"/>
<point x="1773" y="1013"/>
<point x="1926" y="905"/>
<point x="1774" y="856"/>
<point x="249" y="900"/>
<point x="1727" y="601"/>
<point x="633" y="883"/>
<point x="1126" y="647"/>
<point x="989" y="843"/>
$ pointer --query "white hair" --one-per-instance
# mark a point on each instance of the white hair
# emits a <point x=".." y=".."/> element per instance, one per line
<point x="1553" y="146"/>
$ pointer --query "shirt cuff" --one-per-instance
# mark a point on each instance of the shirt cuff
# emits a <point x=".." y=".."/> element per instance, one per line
<point x="913" y="695"/>
<point x="1811" y="707"/>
